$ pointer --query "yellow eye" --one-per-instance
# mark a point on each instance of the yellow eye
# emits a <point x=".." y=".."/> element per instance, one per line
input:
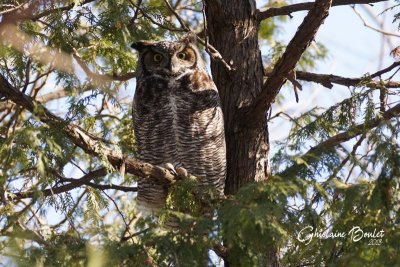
<point x="181" y="56"/>
<point x="157" y="57"/>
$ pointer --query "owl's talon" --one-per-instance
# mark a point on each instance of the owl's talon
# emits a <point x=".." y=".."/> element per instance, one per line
<point x="182" y="172"/>
<point x="170" y="168"/>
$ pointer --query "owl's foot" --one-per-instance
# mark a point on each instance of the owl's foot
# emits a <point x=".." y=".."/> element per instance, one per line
<point x="177" y="170"/>
<point x="182" y="172"/>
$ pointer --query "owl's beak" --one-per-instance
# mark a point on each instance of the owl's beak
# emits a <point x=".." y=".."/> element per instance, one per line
<point x="174" y="65"/>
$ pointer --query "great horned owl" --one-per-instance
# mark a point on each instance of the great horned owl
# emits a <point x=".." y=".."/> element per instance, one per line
<point x="177" y="117"/>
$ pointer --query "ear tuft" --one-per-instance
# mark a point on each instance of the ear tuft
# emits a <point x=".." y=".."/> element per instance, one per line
<point x="141" y="45"/>
<point x="138" y="46"/>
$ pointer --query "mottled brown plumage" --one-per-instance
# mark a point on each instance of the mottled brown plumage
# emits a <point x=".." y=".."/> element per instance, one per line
<point x="177" y="117"/>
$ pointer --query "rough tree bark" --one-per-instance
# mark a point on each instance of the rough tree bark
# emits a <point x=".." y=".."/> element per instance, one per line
<point x="233" y="31"/>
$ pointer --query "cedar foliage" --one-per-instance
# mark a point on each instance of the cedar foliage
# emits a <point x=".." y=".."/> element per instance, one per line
<point x="94" y="223"/>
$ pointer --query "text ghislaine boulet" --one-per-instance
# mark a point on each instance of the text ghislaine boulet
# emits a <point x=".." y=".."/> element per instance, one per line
<point x="356" y="234"/>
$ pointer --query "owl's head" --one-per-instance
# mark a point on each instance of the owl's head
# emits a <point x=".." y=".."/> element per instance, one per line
<point x="168" y="58"/>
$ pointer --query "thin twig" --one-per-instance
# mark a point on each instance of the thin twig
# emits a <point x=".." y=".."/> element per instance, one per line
<point x="348" y="157"/>
<point x="59" y="9"/>
<point x="371" y="27"/>
<point x="203" y="11"/>
<point x="313" y="153"/>
<point x="125" y="238"/>
<point x="100" y="78"/>
<point x="154" y="21"/>
<point x="127" y="229"/>
<point x="15" y="8"/>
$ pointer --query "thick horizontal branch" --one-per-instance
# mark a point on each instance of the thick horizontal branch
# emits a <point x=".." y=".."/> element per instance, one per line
<point x="287" y="62"/>
<point x="88" y="142"/>
<point x="287" y="10"/>
<point x="328" y="80"/>
<point x="43" y="98"/>
<point x="220" y="250"/>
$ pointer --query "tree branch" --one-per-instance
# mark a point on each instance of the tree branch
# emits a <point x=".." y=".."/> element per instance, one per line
<point x="355" y="131"/>
<point x="100" y="78"/>
<point x="22" y="232"/>
<point x="287" y="10"/>
<point x="102" y="186"/>
<point x="313" y="153"/>
<point x="161" y="25"/>
<point x="75" y="183"/>
<point x="88" y="142"/>
<point x="60" y="9"/>
<point x="286" y="63"/>
<point x="39" y="52"/>
<point x="220" y="250"/>
<point x="371" y="27"/>
<point x="25" y="11"/>
<point x="328" y="80"/>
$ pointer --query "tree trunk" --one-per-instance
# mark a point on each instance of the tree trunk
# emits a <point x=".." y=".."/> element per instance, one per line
<point x="233" y="31"/>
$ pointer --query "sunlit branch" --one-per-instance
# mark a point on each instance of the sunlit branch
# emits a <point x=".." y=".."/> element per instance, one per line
<point x="99" y="78"/>
<point x="287" y="10"/>
<point x="39" y="52"/>
<point x="287" y="62"/>
<point x="12" y="9"/>
<point x="328" y="80"/>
